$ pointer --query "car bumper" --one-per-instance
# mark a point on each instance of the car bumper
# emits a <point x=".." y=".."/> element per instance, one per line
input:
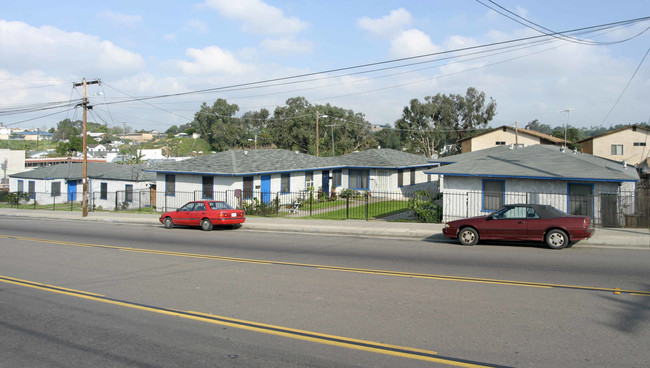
<point x="227" y="220"/>
<point x="582" y="234"/>
<point x="450" y="232"/>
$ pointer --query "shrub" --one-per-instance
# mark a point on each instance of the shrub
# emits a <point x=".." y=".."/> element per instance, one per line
<point x="424" y="207"/>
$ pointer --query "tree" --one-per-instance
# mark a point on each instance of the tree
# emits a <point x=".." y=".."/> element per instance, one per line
<point x="66" y="129"/>
<point x="293" y="127"/>
<point x="388" y="138"/>
<point x="426" y="127"/>
<point x="218" y="126"/>
<point x="539" y="127"/>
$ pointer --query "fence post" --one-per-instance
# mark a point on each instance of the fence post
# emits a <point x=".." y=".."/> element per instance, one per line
<point x="367" y="205"/>
<point x="277" y="203"/>
<point x="53" y="203"/>
<point x="347" y="207"/>
<point x="116" y="209"/>
<point x="311" y="200"/>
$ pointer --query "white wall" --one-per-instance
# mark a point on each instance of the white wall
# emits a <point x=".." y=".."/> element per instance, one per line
<point x="463" y="196"/>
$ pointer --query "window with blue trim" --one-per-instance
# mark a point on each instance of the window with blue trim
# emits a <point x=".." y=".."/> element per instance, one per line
<point x="208" y="187"/>
<point x="31" y="189"/>
<point x="128" y="193"/>
<point x="170" y="184"/>
<point x="358" y="179"/>
<point x="285" y="183"/>
<point x="493" y="194"/>
<point x="20" y="187"/>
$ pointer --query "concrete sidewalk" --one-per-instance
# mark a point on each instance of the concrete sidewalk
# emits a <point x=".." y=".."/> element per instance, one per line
<point x="627" y="238"/>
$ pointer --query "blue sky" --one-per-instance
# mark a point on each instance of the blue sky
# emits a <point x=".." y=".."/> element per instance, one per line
<point x="153" y="48"/>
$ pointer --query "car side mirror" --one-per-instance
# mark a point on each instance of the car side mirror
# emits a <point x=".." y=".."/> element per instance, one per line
<point x="489" y="218"/>
<point x="178" y="209"/>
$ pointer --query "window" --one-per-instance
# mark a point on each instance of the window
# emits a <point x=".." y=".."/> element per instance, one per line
<point x="500" y="143"/>
<point x="128" y="193"/>
<point x="581" y="199"/>
<point x="336" y="178"/>
<point x="412" y="176"/>
<point x="639" y="144"/>
<point x="248" y="187"/>
<point x="56" y="188"/>
<point x="358" y="179"/>
<point x="285" y="184"/>
<point x="493" y="194"/>
<point x="31" y="191"/>
<point x="309" y="179"/>
<point x="20" y="186"/>
<point x="208" y="187"/>
<point x="103" y="191"/>
<point x="400" y="178"/>
<point x="170" y="184"/>
<point x="617" y="149"/>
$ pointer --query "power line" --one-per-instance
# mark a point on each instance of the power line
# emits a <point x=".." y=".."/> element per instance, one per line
<point x="625" y="89"/>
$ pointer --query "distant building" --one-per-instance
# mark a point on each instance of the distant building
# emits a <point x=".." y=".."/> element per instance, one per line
<point x="630" y="144"/>
<point x="507" y="135"/>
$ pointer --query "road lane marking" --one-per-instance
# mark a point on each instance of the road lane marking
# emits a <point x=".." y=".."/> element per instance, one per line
<point x="304" y="335"/>
<point x="336" y="268"/>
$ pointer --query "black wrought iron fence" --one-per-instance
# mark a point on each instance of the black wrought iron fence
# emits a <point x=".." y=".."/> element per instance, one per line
<point x="631" y="209"/>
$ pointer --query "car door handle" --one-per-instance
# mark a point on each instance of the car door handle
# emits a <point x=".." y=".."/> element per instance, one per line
<point x="521" y="222"/>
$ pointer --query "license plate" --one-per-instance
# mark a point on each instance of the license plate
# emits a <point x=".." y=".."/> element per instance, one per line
<point x="233" y="214"/>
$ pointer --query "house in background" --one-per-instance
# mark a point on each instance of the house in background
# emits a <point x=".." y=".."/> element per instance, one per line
<point x="109" y="185"/>
<point x="477" y="183"/>
<point x="269" y="174"/>
<point x="506" y="135"/>
<point x="630" y="144"/>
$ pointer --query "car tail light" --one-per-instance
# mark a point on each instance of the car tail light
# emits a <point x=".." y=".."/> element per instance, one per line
<point x="587" y="222"/>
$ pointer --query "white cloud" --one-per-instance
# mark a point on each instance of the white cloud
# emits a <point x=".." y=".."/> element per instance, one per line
<point x="387" y="25"/>
<point x="410" y="43"/>
<point x="62" y="52"/>
<point x="258" y="17"/>
<point x="211" y="59"/>
<point x="120" y="19"/>
<point x="287" y="46"/>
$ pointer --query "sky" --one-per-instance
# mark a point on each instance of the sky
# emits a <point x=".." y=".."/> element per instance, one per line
<point x="159" y="61"/>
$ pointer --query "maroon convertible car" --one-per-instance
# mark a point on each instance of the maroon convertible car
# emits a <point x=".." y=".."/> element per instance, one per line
<point x="522" y="222"/>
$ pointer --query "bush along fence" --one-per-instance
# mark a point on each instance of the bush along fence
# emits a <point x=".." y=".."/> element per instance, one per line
<point x="606" y="210"/>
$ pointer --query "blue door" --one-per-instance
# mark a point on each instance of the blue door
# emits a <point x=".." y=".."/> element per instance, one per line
<point x="325" y="183"/>
<point x="266" y="188"/>
<point x="72" y="191"/>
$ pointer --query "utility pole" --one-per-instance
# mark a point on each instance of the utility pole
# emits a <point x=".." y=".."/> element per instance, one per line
<point x="317" y="137"/>
<point x="332" y="126"/>
<point x="85" y="106"/>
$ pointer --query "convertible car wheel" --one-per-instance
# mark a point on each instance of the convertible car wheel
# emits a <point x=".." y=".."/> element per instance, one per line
<point x="467" y="236"/>
<point x="557" y="239"/>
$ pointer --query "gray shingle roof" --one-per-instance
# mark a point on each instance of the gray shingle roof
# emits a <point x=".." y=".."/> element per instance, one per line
<point x="249" y="162"/>
<point x="96" y="170"/>
<point x="537" y="162"/>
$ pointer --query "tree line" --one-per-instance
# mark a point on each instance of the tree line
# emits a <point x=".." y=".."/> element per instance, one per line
<point x="427" y="127"/>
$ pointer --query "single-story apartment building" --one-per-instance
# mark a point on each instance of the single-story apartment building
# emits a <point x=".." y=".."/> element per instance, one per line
<point x="109" y="185"/>
<point x="477" y="183"/>
<point x="268" y="174"/>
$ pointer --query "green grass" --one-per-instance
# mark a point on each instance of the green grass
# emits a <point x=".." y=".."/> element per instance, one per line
<point x="358" y="212"/>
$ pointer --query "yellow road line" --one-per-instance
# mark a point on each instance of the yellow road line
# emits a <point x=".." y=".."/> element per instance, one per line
<point x="334" y="268"/>
<point x="356" y="344"/>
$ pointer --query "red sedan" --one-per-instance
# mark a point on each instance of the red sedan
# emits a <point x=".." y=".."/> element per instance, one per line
<point x="522" y="222"/>
<point x="205" y="214"/>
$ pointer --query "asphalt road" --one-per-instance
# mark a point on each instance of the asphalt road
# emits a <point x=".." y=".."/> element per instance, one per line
<point x="99" y="294"/>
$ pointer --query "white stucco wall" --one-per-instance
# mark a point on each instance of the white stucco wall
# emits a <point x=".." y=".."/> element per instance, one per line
<point x="43" y="192"/>
<point x="463" y="196"/>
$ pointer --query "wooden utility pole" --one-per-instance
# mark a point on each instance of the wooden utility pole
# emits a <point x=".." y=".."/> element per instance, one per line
<point x="85" y="106"/>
